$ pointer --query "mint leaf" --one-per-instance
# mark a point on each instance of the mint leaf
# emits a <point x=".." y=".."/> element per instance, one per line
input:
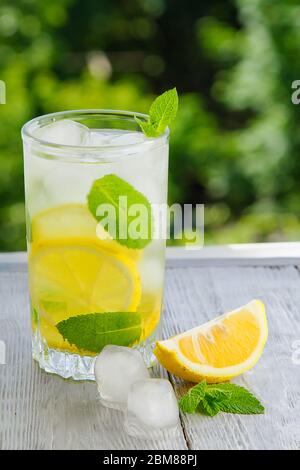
<point x="34" y="315"/>
<point x="214" y="395"/>
<point x="93" y="331"/>
<point x="53" y="306"/>
<point x="226" y="397"/>
<point x="219" y="391"/>
<point x="233" y="398"/>
<point x="189" y="402"/>
<point x="162" y="112"/>
<point x="208" y="407"/>
<point x="146" y="127"/>
<point x="129" y="220"/>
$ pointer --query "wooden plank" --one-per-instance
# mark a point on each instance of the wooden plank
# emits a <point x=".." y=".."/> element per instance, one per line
<point x="38" y="410"/>
<point x="42" y="411"/>
<point x="195" y="295"/>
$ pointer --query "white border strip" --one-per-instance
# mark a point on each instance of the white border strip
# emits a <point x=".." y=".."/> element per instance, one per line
<point x="16" y="261"/>
<point x="268" y="254"/>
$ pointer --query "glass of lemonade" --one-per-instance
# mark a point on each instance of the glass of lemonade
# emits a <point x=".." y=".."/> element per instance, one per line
<point x="96" y="267"/>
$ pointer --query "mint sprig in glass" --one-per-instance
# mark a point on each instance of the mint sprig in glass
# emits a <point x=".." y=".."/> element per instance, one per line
<point x="96" y="270"/>
<point x="162" y="112"/>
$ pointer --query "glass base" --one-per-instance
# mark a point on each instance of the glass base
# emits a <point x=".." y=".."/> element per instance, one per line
<point x="74" y="366"/>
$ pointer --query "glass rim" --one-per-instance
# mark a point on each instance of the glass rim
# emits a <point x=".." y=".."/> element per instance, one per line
<point x="28" y="129"/>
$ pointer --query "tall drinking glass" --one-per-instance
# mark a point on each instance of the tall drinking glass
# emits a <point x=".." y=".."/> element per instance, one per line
<point x="96" y="269"/>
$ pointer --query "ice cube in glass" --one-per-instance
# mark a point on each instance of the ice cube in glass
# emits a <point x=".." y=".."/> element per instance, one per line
<point x="65" y="132"/>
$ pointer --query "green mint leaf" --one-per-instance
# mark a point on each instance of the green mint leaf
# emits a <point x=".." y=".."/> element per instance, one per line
<point x="188" y="403"/>
<point x="146" y="127"/>
<point x="219" y="392"/>
<point x="51" y="306"/>
<point x="34" y="315"/>
<point x="226" y="397"/>
<point x="93" y="331"/>
<point x="235" y="399"/>
<point x="214" y="395"/>
<point x="208" y="406"/>
<point x="129" y="220"/>
<point x="162" y="112"/>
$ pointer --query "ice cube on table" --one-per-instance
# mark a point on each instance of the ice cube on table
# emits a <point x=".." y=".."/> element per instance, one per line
<point x="151" y="408"/>
<point x="116" y="369"/>
<point x="64" y="132"/>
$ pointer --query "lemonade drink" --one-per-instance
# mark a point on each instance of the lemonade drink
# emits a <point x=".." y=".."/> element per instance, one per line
<point x="90" y="286"/>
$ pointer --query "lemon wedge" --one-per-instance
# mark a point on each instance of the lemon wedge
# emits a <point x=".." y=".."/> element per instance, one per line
<point x="220" y="349"/>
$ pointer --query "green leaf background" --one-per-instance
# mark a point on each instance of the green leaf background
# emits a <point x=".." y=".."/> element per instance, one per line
<point x="235" y="142"/>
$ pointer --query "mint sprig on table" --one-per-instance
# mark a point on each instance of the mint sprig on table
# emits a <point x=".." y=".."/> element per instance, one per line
<point x="110" y="188"/>
<point x="107" y="191"/>
<point x="225" y="397"/>
<point x="162" y="112"/>
<point x="93" y="331"/>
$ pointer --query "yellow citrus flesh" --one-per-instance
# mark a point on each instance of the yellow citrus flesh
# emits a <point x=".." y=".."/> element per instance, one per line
<point x="74" y="222"/>
<point x="149" y="307"/>
<point x="68" y="279"/>
<point x="76" y="268"/>
<point x="220" y="349"/>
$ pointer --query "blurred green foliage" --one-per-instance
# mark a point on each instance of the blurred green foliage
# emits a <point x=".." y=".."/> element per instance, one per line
<point x="235" y="145"/>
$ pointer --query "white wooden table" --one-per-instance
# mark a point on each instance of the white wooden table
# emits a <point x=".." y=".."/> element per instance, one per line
<point x="41" y="411"/>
